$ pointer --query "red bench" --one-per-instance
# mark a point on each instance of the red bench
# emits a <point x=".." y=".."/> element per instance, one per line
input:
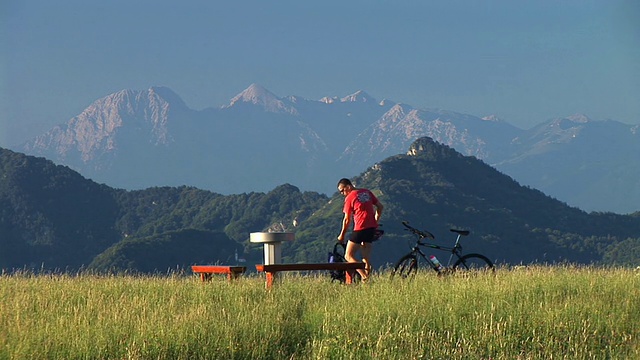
<point x="273" y="269"/>
<point x="206" y="271"/>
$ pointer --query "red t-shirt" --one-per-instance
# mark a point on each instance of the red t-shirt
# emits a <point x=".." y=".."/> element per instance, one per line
<point x="360" y="203"/>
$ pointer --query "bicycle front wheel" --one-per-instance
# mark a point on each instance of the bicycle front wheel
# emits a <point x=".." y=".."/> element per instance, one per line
<point x="407" y="266"/>
<point x="474" y="262"/>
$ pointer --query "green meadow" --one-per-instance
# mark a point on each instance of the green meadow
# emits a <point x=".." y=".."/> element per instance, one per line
<point x="521" y="313"/>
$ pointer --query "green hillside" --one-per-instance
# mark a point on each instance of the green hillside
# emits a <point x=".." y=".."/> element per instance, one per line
<point x="175" y="249"/>
<point x="437" y="188"/>
<point x="52" y="218"/>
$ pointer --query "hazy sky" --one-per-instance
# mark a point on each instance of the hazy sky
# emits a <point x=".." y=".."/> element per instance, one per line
<point x="525" y="61"/>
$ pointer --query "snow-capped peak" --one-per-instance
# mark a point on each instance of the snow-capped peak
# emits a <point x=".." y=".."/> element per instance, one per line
<point x="257" y="95"/>
<point x="329" y="100"/>
<point x="168" y="95"/>
<point x="358" y="96"/>
<point x="398" y="111"/>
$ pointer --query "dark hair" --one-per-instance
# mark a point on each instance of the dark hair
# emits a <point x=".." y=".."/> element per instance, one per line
<point x="345" y="182"/>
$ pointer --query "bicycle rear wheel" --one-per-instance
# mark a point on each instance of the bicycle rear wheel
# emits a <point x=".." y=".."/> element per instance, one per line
<point x="405" y="267"/>
<point x="474" y="262"/>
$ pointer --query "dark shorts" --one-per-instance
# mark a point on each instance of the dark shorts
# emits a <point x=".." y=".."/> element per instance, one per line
<point x="365" y="235"/>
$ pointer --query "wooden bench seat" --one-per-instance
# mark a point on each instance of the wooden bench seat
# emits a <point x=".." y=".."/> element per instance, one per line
<point x="206" y="271"/>
<point x="273" y="269"/>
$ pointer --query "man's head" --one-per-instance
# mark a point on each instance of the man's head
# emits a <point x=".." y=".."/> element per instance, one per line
<point x="345" y="186"/>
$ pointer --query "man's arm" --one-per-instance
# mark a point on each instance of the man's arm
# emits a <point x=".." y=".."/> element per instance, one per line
<point x="379" y="208"/>
<point x="346" y="220"/>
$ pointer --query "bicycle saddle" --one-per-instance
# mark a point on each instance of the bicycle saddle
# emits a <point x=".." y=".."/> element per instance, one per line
<point x="461" y="232"/>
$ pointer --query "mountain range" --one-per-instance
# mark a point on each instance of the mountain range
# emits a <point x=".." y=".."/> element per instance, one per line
<point x="139" y="139"/>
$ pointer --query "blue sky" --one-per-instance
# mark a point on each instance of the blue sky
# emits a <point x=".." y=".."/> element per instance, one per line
<point x="524" y="61"/>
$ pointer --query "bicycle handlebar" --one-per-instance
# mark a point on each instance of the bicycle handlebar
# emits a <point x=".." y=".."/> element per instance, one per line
<point x="422" y="233"/>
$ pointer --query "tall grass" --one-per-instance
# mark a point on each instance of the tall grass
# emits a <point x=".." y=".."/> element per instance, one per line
<point x="525" y="313"/>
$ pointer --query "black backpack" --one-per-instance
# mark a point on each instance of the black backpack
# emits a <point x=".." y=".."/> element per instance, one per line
<point x="337" y="256"/>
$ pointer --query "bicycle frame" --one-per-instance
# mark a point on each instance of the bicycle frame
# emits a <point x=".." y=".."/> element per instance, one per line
<point x="455" y="250"/>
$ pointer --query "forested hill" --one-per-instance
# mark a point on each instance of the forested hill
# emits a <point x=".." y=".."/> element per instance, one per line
<point x="50" y="216"/>
<point x="436" y="188"/>
<point x="53" y="218"/>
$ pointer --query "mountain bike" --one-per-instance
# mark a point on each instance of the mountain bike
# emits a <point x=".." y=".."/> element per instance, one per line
<point x="408" y="264"/>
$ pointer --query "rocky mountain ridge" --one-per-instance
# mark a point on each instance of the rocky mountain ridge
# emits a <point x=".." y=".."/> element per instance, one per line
<point x="135" y="139"/>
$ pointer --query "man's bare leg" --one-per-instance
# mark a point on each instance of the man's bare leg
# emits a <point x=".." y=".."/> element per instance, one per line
<point x="365" y="250"/>
<point x="349" y="255"/>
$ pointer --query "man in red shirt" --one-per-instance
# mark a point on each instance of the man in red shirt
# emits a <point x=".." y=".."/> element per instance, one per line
<point x="365" y="209"/>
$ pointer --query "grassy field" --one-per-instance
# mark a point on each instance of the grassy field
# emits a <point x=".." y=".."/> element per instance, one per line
<point x="522" y="313"/>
